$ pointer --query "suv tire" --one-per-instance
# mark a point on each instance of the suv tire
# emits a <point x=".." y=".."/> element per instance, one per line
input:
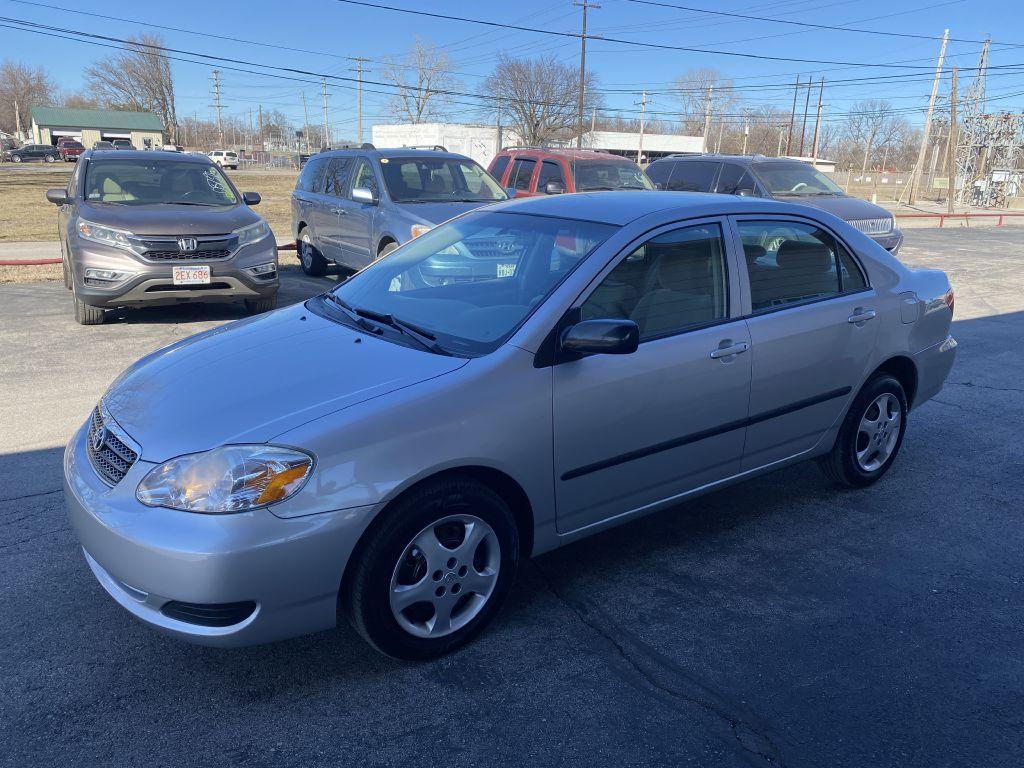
<point x="259" y="306"/>
<point x="86" y="314"/>
<point x="50" y="158"/>
<point x="312" y="263"/>
<point x="15" y="158"/>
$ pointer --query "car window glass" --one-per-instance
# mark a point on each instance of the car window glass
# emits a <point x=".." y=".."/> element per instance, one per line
<point x="500" y="164"/>
<point x="851" y="277"/>
<point x="672" y="282"/>
<point x="336" y="179"/>
<point x="659" y="173"/>
<point x="550" y="171"/>
<point x="796" y="179"/>
<point x="309" y="175"/>
<point x="364" y="177"/>
<point x="788" y="263"/>
<point x="438" y="179"/>
<point x="693" y="176"/>
<point x="608" y="174"/>
<point x="73" y="182"/>
<point x="734" y="179"/>
<point x="522" y="171"/>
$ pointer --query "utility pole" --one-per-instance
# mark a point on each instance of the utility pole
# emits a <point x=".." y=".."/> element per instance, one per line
<point x="707" y="119"/>
<point x="17" y="120"/>
<point x="803" y="127"/>
<point x="305" y="121"/>
<point x="746" y="129"/>
<point x="217" y="105"/>
<point x="817" y="120"/>
<point x="916" y="179"/>
<point x="327" y="127"/>
<point x="792" y="118"/>
<point x="782" y="132"/>
<point x="499" y="139"/>
<point x="263" y="143"/>
<point x="643" y="116"/>
<point x="358" y="69"/>
<point x="951" y="147"/>
<point x="585" y="5"/>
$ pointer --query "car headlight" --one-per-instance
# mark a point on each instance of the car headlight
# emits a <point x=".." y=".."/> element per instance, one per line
<point x="419" y="229"/>
<point x="233" y="478"/>
<point x="252" y="233"/>
<point x="118" y="238"/>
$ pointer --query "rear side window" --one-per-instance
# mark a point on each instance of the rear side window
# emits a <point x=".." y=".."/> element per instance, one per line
<point x="500" y="164"/>
<point x="693" y="176"/>
<point x="336" y="179"/>
<point x="659" y="173"/>
<point x="308" y="178"/>
<point x="550" y="171"/>
<point x="522" y="172"/>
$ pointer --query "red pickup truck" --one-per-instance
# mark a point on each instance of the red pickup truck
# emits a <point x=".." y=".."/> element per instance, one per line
<point x="69" y="149"/>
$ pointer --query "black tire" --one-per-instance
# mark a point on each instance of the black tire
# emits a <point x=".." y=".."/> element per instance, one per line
<point x="312" y="263"/>
<point x="15" y="158"/>
<point x="840" y="465"/>
<point x="88" y="315"/>
<point x="366" y="600"/>
<point x="259" y="306"/>
<point x="67" y="273"/>
<point x="50" y="158"/>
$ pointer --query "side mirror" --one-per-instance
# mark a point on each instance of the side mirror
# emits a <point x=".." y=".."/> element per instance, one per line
<point x="603" y="337"/>
<point x="57" y="196"/>
<point x="554" y="188"/>
<point x="511" y="192"/>
<point x="364" y="195"/>
<point x="744" y="193"/>
<point x="251" y="198"/>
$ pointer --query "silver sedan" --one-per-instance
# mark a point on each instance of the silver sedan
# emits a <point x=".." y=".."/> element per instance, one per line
<point x="390" y="450"/>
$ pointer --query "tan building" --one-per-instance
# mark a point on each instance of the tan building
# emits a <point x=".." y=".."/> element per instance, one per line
<point x="143" y="129"/>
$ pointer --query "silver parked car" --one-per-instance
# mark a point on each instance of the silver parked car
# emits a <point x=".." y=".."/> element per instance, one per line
<point x="395" y="450"/>
<point x="154" y="228"/>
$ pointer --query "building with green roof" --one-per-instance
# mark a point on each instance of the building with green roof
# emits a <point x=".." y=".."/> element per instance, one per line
<point x="143" y="129"/>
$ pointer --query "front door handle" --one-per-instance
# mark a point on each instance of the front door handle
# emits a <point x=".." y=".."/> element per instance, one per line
<point x="861" y="316"/>
<point x="338" y="211"/>
<point x="729" y="351"/>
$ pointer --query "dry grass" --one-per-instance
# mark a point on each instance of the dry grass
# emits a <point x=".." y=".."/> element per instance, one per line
<point x="25" y="215"/>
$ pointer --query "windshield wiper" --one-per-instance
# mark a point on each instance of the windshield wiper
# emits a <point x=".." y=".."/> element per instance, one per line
<point x="349" y="312"/>
<point x="425" y="338"/>
<point x="190" y="202"/>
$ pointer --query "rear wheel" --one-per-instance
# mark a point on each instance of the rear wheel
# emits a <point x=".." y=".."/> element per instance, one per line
<point x="436" y="570"/>
<point x="50" y="158"/>
<point x="871" y="435"/>
<point x="86" y="314"/>
<point x="310" y="260"/>
<point x="259" y="306"/>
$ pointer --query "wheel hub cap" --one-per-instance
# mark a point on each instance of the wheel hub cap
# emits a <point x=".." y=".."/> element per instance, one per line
<point x="878" y="432"/>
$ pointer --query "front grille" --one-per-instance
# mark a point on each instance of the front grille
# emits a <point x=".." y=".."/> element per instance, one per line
<point x="108" y="454"/>
<point x="882" y="226"/>
<point x="221" y="253"/>
<point x="209" y="614"/>
<point x="170" y="287"/>
<point x="210" y="248"/>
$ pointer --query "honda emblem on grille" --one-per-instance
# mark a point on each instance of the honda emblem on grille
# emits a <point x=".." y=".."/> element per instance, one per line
<point x="99" y="437"/>
<point x="187" y="244"/>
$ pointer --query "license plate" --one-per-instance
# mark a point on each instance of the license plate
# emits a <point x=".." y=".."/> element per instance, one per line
<point x="506" y="270"/>
<point x="191" y="275"/>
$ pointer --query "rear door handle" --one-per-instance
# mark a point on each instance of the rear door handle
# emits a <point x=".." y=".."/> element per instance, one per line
<point x="733" y="349"/>
<point x="861" y="316"/>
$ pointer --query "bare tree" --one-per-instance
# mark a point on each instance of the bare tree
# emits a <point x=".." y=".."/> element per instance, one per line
<point x="79" y="101"/>
<point x="24" y="87"/>
<point x="693" y="96"/>
<point x="873" y="128"/>
<point x="422" y="78"/>
<point x="139" y="79"/>
<point x="540" y="96"/>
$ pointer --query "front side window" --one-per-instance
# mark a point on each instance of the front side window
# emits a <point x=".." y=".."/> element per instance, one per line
<point x="468" y="283"/>
<point x="792" y="263"/>
<point x="364" y="177"/>
<point x="595" y="175"/>
<point x="156" y="182"/>
<point x="795" y="179"/>
<point x="499" y="166"/>
<point x="693" y="176"/>
<point x="438" y="180"/>
<point x="673" y="282"/>
<point x="550" y="172"/>
<point x="735" y="180"/>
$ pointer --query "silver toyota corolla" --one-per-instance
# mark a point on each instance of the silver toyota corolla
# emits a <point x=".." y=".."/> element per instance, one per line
<point x="389" y="451"/>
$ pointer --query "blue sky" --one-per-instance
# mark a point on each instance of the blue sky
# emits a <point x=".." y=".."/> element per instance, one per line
<point x="328" y="31"/>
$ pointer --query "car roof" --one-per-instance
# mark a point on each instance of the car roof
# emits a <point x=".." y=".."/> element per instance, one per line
<point x="739" y="159"/>
<point x="389" y="153"/>
<point x="622" y="207"/>
<point x="155" y="154"/>
<point x="564" y="152"/>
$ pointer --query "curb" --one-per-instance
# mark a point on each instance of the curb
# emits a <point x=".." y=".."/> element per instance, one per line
<point x="28" y="262"/>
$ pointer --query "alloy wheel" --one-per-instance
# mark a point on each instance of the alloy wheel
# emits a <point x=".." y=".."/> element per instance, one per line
<point x="305" y="252"/>
<point x="878" y="432"/>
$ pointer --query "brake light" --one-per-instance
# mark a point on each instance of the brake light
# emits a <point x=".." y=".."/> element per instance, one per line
<point x="949" y="299"/>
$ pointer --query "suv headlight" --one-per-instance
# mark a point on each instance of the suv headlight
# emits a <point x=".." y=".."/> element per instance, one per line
<point x="118" y="238"/>
<point x="233" y="478"/>
<point x="253" y="233"/>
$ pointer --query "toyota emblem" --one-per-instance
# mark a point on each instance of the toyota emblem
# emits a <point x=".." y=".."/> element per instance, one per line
<point x="187" y="244"/>
<point x="99" y="437"/>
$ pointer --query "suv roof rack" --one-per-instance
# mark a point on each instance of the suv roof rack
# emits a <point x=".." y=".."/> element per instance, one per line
<point x="429" y="147"/>
<point x="364" y="145"/>
<point x="549" y="148"/>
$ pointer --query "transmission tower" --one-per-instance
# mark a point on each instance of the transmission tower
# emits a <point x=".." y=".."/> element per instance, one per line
<point x="974" y="135"/>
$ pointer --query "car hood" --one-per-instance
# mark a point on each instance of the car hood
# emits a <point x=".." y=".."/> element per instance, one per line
<point x="437" y="213"/>
<point x="169" y="219"/>
<point x="250" y="381"/>
<point x="845" y="207"/>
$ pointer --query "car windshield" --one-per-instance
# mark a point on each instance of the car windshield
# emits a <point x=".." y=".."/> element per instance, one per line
<point x="151" y="182"/>
<point x="465" y="286"/>
<point x="73" y="145"/>
<point x="795" y="179"/>
<point x="591" y="175"/>
<point x="434" y="180"/>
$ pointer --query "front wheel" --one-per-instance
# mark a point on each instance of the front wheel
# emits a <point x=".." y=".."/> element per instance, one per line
<point x="15" y="158"/>
<point x="436" y="570"/>
<point x="259" y="306"/>
<point x="871" y="435"/>
<point x="310" y="260"/>
<point x="86" y="314"/>
<point x="50" y="159"/>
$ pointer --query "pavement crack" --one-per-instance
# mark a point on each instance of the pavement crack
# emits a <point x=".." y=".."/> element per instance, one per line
<point x="31" y="495"/>
<point x="986" y="386"/>
<point x="751" y="739"/>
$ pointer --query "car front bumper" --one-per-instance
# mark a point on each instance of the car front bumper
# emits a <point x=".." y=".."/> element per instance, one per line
<point x="288" y="569"/>
<point x="891" y="241"/>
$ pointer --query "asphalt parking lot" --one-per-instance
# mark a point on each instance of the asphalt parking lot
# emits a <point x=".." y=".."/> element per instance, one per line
<point x="777" y="623"/>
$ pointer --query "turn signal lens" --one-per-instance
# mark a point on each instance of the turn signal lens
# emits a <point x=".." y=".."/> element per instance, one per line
<point x="949" y="299"/>
<point x="419" y="229"/>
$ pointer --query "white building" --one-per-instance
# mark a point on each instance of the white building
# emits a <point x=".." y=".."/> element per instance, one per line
<point x="655" y="145"/>
<point x="479" y="142"/>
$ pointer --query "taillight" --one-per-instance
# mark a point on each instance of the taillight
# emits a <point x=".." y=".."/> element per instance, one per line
<point x="949" y="299"/>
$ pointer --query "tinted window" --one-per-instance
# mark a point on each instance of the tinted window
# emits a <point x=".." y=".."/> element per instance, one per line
<point x="550" y="171"/>
<point x="670" y="283"/>
<point x="795" y="178"/>
<point x="307" y="181"/>
<point x="336" y="178"/>
<point x="438" y="179"/>
<point x="735" y="179"/>
<point x="659" y="173"/>
<point x="788" y="263"/>
<point x="499" y="166"/>
<point x="608" y="174"/>
<point x="522" y="172"/>
<point x="693" y="176"/>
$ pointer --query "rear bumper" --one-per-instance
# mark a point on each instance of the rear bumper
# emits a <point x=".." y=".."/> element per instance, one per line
<point x="933" y="366"/>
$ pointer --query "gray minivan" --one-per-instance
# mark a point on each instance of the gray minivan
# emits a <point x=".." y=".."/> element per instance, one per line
<point x="779" y="178"/>
<point x="352" y="206"/>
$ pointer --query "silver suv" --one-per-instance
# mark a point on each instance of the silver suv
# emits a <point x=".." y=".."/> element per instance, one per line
<point x="153" y="228"/>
